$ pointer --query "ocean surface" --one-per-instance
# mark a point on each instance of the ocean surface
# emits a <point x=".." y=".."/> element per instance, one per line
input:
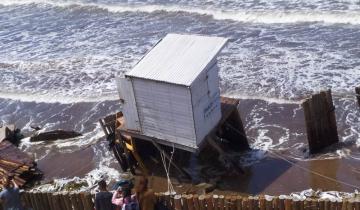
<point x="59" y="60"/>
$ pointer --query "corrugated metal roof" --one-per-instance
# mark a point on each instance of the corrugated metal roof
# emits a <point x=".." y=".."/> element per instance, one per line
<point x="178" y="59"/>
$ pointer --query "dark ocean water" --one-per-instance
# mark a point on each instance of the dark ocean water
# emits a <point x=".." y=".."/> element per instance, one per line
<point x="59" y="59"/>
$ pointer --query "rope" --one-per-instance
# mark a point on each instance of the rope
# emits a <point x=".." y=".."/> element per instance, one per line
<point x="314" y="172"/>
<point x="297" y="165"/>
<point x="167" y="169"/>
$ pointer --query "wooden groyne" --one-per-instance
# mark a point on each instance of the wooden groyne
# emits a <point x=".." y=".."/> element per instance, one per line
<point x="85" y="201"/>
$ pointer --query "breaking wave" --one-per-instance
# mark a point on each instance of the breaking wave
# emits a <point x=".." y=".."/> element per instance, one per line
<point x="53" y="97"/>
<point x="263" y="16"/>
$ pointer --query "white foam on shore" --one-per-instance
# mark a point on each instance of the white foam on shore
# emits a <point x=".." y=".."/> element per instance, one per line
<point x="53" y="97"/>
<point x="267" y="17"/>
<point x="262" y="98"/>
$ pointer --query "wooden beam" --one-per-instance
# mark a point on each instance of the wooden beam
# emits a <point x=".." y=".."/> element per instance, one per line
<point x="172" y="162"/>
<point x="218" y="148"/>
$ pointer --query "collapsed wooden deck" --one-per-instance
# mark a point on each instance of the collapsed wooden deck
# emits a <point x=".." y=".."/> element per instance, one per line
<point x="124" y="142"/>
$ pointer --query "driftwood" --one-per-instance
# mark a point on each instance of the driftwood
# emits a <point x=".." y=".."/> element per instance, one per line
<point x="14" y="162"/>
<point x="54" y="135"/>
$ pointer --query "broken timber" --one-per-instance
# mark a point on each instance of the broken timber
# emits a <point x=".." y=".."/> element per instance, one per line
<point x="320" y="121"/>
<point x="357" y="91"/>
<point x="14" y="162"/>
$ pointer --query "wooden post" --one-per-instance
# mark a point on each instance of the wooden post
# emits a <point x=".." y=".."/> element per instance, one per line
<point x="268" y="203"/>
<point x="209" y="202"/>
<point x="350" y="204"/>
<point x="196" y="202"/>
<point x="45" y="201"/>
<point x="239" y="202"/>
<point x="276" y="203"/>
<point x="216" y="202"/>
<point x="245" y="204"/>
<point x="288" y="204"/>
<point x="320" y="121"/>
<point x="67" y="201"/>
<point x="221" y="202"/>
<point x="183" y="201"/>
<point x="357" y="204"/>
<point x="202" y="202"/>
<point x="295" y="204"/>
<point x="233" y="202"/>
<point x="307" y="204"/>
<point x="227" y="202"/>
<point x="333" y="205"/>
<point x="321" y="204"/>
<point x="327" y="204"/>
<point x="33" y="199"/>
<point x="314" y="204"/>
<point x="251" y="203"/>
<point x="262" y="202"/>
<point x="74" y="201"/>
<point x="301" y="204"/>
<point x="26" y="197"/>
<point x="177" y="202"/>
<point x="357" y="91"/>
<point x="281" y="203"/>
<point x="190" y="202"/>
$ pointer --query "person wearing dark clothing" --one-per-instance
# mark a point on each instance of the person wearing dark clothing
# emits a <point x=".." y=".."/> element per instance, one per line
<point x="10" y="196"/>
<point x="103" y="198"/>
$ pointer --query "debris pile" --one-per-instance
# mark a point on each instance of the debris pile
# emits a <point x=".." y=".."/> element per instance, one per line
<point x="16" y="163"/>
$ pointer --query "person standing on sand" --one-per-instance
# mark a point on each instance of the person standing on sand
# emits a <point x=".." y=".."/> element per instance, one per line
<point x="103" y="198"/>
<point x="145" y="196"/>
<point x="10" y="196"/>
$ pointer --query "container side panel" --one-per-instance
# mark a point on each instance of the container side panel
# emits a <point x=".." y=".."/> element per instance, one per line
<point x="165" y="111"/>
<point x="129" y="110"/>
<point x="205" y="94"/>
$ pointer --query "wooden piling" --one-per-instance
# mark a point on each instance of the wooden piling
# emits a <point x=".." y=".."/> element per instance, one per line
<point x="233" y="202"/>
<point x="281" y="203"/>
<point x="288" y="204"/>
<point x="196" y="202"/>
<point x="215" y="202"/>
<point x="209" y="202"/>
<point x="190" y="202"/>
<point x="183" y="201"/>
<point x="320" y="121"/>
<point x="239" y="203"/>
<point x="202" y="202"/>
<point x="227" y="202"/>
<point x="268" y="203"/>
<point x="314" y="204"/>
<point x="177" y="202"/>
<point x="221" y="202"/>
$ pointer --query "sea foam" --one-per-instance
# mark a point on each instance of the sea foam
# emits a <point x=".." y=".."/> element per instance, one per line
<point x="255" y="16"/>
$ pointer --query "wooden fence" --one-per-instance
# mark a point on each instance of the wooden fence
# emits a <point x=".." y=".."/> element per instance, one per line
<point x="84" y="201"/>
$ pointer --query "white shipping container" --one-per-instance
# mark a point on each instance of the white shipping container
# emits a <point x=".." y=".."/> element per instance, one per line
<point x="173" y="94"/>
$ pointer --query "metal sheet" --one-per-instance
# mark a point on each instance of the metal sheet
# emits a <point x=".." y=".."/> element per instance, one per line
<point x="178" y="59"/>
<point x="165" y="111"/>
<point x="205" y="95"/>
<point x="128" y="103"/>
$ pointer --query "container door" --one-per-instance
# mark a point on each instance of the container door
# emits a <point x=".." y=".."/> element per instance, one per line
<point x="127" y="100"/>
